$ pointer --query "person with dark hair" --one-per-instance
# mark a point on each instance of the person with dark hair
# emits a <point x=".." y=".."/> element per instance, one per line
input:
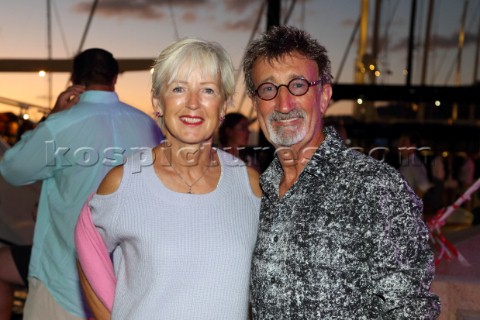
<point x="411" y="166"/>
<point x="341" y="234"/>
<point x="233" y="136"/>
<point x="233" y="132"/>
<point x="94" y="66"/>
<point x="18" y="207"/>
<point x="88" y="131"/>
<point x="13" y="273"/>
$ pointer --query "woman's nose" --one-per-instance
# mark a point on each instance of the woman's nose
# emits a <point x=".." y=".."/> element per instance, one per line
<point x="193" y="101"/>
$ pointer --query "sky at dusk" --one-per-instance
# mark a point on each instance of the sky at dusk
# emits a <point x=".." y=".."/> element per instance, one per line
<point x="142" y="28"/>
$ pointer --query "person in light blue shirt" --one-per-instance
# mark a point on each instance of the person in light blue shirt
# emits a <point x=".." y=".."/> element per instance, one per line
<point x="87" y="133"/>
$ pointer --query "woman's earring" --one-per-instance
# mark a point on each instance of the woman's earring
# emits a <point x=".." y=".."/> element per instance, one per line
<point x="222" y="118"/>
<point x="158" y="114"/>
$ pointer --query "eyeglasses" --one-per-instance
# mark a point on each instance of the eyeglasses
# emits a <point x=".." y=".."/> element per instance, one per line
<point x="297" y="87"/>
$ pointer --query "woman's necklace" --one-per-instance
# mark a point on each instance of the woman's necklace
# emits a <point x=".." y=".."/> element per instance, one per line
<point x="185" y="182"/>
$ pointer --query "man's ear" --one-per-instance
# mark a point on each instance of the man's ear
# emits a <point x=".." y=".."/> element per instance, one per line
<point x="326" y="96"/>
<point x="254" y="103"/>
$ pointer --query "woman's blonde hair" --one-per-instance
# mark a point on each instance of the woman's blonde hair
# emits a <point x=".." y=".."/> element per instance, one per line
<point x="196" y="54"/>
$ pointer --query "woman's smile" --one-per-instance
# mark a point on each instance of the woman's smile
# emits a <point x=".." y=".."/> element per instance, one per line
<point x="192" y="120"/>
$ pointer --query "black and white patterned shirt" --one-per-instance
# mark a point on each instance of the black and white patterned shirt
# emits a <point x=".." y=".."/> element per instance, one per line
<point x="345" y="242"/>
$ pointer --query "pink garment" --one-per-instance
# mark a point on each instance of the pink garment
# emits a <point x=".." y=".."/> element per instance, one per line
<point x="94" y="258"/>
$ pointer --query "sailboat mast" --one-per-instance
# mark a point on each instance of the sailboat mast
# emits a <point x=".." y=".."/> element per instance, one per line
<point x="426" y="51"/>
<point x="375" y="49"/>
<point x="477" y="55"/>
<point x="411" y="43"/>
<point x="362" y="43"/>
<point x="461" y="40"/>
<point x="426" y="47"/>
<point x="49" y="48"/>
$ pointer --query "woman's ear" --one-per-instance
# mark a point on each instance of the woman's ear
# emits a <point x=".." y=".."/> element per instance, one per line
<point x="223" y="110"/>
<point x="157" y="106"/>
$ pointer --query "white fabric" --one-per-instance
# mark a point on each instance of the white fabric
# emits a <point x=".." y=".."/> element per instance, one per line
<point x="414" y="172"/>
<point x="180" y="256"/>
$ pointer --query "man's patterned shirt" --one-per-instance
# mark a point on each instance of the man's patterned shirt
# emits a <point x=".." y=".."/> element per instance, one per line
<point x="345" y="242"/>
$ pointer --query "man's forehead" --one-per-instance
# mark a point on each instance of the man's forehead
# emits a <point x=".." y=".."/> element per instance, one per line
<point x="298" y="66"/>
<point x="285" y="58"/>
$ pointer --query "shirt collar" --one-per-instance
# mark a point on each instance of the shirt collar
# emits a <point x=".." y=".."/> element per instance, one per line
<point x="331" y="145"/>
<point x="98" y="96"/>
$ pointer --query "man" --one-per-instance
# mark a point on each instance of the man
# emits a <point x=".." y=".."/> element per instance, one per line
<point x="411" y="167"/>
<point x="87" y="133"/>
<point x="414" y="171"/>
<point x="340" y="234"/>
<point x="17" y="220"/>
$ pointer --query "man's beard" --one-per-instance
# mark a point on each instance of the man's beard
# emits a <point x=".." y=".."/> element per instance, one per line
<point x="286" y="135"/>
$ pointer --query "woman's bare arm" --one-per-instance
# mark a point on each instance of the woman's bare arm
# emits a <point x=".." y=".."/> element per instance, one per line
<point x="97" y="307"/>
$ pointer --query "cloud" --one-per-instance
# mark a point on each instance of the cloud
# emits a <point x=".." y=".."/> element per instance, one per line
<point x="189" y="16"/>
<point x="242" y="24"/>
<point x="348" y="23"/>
<point x="247" y="22"/>
<point x="438" y="41"/>
<point x="142" y="9"/>
<point x="122" y="9"/>
<point x="239" y="6"/>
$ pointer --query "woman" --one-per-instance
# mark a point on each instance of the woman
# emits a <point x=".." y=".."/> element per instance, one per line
<point x="181" y="220"/>
<point x="233" y="136"/>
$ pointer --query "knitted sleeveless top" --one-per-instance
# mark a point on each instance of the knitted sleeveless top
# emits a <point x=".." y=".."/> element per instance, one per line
<point x="176" y="255"/>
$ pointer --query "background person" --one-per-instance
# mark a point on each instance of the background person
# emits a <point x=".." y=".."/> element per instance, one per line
<point x="13" y="272"/>
<point x="18" y="210"/>
<point x="233" y="136"/>
<point x="412" y="167"/>
<point x="182" y="230"/>
<point x="71" y="151"/>
<point x="340" y="233"/>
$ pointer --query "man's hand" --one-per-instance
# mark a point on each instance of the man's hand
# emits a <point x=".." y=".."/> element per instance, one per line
<point x="68" y="98"/>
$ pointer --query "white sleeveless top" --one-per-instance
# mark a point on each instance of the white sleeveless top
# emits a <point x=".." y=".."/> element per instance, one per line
<point x="176" y="255"/>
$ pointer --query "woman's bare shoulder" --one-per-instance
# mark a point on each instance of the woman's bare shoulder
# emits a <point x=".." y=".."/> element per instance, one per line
<point x="111" y="182"/>
<point x="254" y="178"/>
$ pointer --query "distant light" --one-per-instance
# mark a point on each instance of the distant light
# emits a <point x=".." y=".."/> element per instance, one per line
<point x="359" y="101"/>
<point x="377" y="73"/>
<point x="42" y="73"/>
<point x="371" y="67"/>
<point x="437" y="103"/>
<point x="26" y="116"/>
<point x="405" y="72"/>
<point x="445" y="154"/>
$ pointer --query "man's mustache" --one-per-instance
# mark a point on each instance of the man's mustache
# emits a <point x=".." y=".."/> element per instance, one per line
<point x="280" y="116"/>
